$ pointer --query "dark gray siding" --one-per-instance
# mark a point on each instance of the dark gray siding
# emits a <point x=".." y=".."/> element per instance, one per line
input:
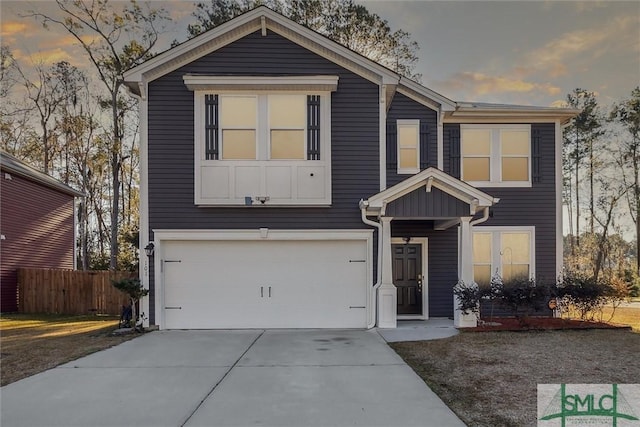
<point x="405" y="108"/>
<point x="171" y="156"/>
<point x="528" y="206"/>
<point x="435" y="204"/>
<point x="354" y="131"/>
<point x="442" y="262"/>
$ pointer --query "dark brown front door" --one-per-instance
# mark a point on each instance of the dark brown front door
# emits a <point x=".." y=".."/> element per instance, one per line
<point x="407" y="276"/>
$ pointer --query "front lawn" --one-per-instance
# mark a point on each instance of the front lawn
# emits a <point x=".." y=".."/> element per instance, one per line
<point x="33" y="343"/>
<point x="490" y="378"/>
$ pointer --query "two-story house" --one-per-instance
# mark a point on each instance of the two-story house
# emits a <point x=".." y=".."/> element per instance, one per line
<point x="289" y="182"/>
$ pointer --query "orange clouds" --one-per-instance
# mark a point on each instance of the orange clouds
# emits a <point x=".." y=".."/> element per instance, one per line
<point x="11" y="28"/>
<point x="482" y="84"/>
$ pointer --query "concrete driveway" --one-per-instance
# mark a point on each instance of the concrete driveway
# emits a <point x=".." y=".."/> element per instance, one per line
<point x="231" y="378"/>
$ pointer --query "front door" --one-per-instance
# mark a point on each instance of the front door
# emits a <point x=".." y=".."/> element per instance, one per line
<point x="407" y="277"/>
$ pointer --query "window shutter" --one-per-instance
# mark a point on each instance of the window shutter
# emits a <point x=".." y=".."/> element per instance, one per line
<point x="424" y="145"/>
<point x="392" y="145"/>
<point x="536" y="173"/>
<point x="313" y="127"/>
<point x="454" y="152"/>
<point x="211" y="127"/>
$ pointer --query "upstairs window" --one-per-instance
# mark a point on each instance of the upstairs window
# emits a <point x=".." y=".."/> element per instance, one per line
<point x="262" y="127"/>
<point x="408" y="146"/>
<point x="496" y="155"/>
<point x="287" y="125"/>
<point x="238" y="124"/>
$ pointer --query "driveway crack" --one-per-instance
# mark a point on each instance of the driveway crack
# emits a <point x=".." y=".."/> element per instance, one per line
<point x="221" y="379"/>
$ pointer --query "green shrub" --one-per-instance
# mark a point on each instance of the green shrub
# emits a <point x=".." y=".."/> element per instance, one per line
<point x="468" y="296"/>
<point x="521" y="295"/>
<point x="133" y="288"/>
<point x="587" y="294"/>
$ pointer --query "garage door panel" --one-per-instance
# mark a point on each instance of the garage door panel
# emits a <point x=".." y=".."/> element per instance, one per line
<point x="265" y="284"/>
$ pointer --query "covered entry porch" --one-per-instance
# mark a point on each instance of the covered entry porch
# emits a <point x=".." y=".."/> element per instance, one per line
<point x="425" y="226"/>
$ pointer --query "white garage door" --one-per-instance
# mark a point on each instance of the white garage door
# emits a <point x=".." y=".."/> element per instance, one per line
<point x="265" y="284"/>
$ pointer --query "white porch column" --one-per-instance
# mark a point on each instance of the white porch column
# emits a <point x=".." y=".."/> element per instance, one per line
<point x="465" y="273"/>
<point x="387" y="296"/>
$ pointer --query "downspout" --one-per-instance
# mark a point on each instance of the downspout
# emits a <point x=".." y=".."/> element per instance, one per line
<point x="367" y="221"/>
<point x="485" y="216"/>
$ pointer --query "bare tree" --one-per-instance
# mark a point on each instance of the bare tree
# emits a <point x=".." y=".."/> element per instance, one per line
<point x="581" y="139"/>
<point x="343" y="21"/>
<point x="627" y="113"/>
<point x="45" y="93"/>
<point x="115" y="39"/>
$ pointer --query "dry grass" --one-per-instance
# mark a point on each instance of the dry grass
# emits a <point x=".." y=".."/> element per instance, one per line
<point x="33" y="343"/>
<point x="623" y="315"/>
<point x="490" y="378"/>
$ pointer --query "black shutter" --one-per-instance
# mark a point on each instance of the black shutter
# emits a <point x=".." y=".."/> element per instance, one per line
<point x="392" y="145"/>
<point x="535" y="155"/>
<point x="211" y="127"/>
<point x="424" y="145"/>
<point x="454" y="152"/>
<point x="313" y="127"/>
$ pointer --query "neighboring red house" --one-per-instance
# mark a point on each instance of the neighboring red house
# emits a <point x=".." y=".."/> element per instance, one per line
<point x="36" y="225"/>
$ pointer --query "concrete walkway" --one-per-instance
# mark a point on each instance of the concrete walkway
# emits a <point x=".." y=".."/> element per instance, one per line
<point x="231" y="378"/>
<point x="420" y="330"/>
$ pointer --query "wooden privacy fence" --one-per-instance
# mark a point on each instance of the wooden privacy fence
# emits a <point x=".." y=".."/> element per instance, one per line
<point x="69" y="291"/>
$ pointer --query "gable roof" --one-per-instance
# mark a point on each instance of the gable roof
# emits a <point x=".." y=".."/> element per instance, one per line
<point x="471" y="111"/>
<point x="11" y="164"/>
<point x="430" y="177"/>
<point x="262" y="18"/>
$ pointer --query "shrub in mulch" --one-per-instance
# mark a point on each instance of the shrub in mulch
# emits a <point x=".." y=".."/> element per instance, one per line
<point x="538" y="323"/>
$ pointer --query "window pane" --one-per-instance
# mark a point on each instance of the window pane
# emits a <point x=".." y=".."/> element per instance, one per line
<point x="476" y="142"/>
<point x="515" y="248"/>
<point x="515" y="169"/>
<point x="238" y="144"/>
<point x="482" y="274"/>
<point x="510" y="271"/>
<point x="482" y="247"/>
<point x="287" y="144"/>
<point x="238" y="112"/>
<point x="287" y="111"/>
<point x="475" y="169"/>
<point x="515" y="142"/>
<point x="408" y="136"/>
<point x="408" y="158"/>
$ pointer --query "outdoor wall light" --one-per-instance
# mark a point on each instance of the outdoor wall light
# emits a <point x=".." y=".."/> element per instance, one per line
<point x="406" y="240"/>
<point x="149" y="249"/>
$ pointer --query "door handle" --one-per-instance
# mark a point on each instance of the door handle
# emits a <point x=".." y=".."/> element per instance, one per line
<point x="420" y="282"/>
<point x="269" y="291"/>
<point x="261" y="291"/>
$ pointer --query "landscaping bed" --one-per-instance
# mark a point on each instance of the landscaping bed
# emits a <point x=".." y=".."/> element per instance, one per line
<point x="34" y="343"/>
<point x="539" y="323"/>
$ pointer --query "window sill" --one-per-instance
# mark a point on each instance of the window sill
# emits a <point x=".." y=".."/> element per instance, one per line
<point x="506" y="184"/>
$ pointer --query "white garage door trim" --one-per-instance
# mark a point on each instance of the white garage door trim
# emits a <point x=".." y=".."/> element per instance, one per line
<point x="263" y="234"/>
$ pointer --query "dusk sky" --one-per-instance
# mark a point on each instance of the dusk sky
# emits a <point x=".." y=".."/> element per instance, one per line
<point x="530" y="53"/>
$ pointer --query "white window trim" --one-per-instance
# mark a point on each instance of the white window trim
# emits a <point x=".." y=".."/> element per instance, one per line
<point x="495" y="161"/>
<point x="496" y="245"/>
<point x="408" y="123"/>
<point x="262" y="161"/>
